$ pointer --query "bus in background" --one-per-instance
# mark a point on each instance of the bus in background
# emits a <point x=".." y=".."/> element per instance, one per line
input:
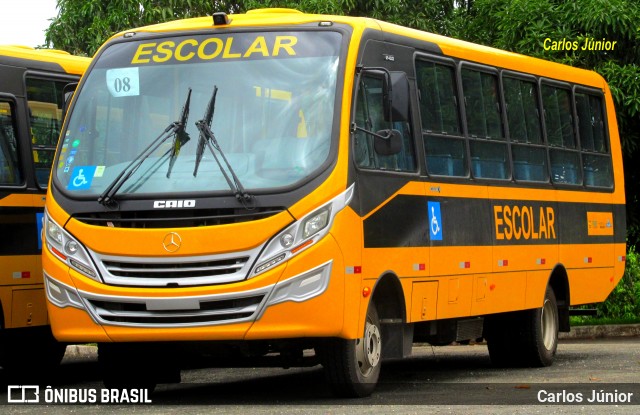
<point x="32" y="87"/>
<point x="328" y="190"/>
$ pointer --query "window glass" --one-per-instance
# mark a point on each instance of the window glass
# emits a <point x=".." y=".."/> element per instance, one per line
<point x="591" y="123"/>
<point x="529" y="163"/>
<point x="558" y="118"/>
<point x="481" y="104"/>
<point x="523" y="117"/>
<point x="273" y="114"/>
<point x="446" y="156"/>
<point x="596" y="159"/>
<point x="597" y="170"/>
<point x="565" y="167"/>
<point x="370" y="116"/>
<point x="438" y="104"/>
<point x="489" y="159"/>
<point x="445" y="153"/>
<point x="9" y="159"/>
<point x="46" y="100"/>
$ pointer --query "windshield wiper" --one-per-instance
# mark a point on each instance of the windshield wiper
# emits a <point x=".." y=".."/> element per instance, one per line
<point x="180" y="137"/>
<point x="176" y="129"/>
<point x="208" y="117"/>
<point x="208" y="139"/>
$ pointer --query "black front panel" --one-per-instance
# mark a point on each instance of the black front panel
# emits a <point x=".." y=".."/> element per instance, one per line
<point x="20" y="233"/>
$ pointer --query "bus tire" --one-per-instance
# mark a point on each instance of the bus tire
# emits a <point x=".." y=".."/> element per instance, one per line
<point x="30" y="350"/>
<point x="352" y="367"/>
<point x="541" y="328"/>
<point x="125" y="366"/>
<point x="526" y="338"/>
<point x="500" y="339"/>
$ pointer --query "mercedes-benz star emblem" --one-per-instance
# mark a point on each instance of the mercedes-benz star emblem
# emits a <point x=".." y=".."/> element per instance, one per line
<point x="172" y="242"/>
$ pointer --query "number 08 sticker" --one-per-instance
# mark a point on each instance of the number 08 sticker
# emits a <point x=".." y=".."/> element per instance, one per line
<point x="123" y="82"/>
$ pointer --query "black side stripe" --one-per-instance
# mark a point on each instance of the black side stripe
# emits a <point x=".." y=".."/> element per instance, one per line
<point x="405" y="221"/>
<point x="19" y="231"/>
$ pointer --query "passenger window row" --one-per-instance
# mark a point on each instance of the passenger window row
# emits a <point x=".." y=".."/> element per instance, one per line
<point x="484" y="123"/>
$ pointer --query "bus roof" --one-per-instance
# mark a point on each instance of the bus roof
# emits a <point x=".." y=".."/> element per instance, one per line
<point x="449" y="46"/>
<point x="44" y="59"/>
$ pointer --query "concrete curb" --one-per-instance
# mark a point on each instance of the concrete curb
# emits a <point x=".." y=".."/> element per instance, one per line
<point x="80" y="350"/>
<point x="599" y="332"/>
<point x="576" y="333"/>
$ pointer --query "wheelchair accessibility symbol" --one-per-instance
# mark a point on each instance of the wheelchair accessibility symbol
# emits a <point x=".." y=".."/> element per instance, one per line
<point x="81" y="177"/>
<point x="435" y="221"/>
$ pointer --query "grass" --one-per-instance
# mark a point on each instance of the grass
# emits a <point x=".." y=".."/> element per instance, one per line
<point x="596" y="321"/>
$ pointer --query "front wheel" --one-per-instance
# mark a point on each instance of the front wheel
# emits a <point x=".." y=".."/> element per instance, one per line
<point x="137" y="365"/>
<point x="352" y="367"/>
<point x="30" y="350"/>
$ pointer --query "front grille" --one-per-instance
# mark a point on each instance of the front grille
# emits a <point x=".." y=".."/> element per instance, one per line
<point x="175" y="271"/>
<point x="176" y="218"/>
<point x="175" y="312"/>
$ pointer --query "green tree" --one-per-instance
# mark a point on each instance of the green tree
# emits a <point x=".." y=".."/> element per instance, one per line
<point x="516" y="25"/>
<point x="523" y="25"/>
<point x="83" y="25"/>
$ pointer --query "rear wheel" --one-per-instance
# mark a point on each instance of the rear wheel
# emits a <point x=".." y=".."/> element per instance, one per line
<point x="524" y="338"/>
<point x="352" y="367"/>
<point x="541" y="332"/>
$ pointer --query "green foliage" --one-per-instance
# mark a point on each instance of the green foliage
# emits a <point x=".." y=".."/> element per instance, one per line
<point x="624" y="301"/>
<point x="517" y="25"/>
<point x="82" y="26"/>
<point x="523" y="25"/>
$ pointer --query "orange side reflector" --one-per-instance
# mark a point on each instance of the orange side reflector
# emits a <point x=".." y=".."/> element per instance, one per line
<point x="302" y="246"/>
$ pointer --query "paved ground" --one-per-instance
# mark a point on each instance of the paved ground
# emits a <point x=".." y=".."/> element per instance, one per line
<point x="440" y="380"/>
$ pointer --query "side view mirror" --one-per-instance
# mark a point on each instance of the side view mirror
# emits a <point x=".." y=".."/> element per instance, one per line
<point x="396" y="97"/>
<point x="67" y="92"/>
<point x="387" y="142"/>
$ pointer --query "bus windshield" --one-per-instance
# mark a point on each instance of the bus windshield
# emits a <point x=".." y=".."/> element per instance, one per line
<point x="272" y="96"/>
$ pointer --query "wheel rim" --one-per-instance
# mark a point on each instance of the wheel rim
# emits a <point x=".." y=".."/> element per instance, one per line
<point x="368" y="349"/>
<point x="549" y="324"/>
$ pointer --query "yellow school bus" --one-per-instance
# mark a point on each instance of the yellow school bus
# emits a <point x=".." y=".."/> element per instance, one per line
<point x="328" y="190"/>
<point x="32" y="87"/>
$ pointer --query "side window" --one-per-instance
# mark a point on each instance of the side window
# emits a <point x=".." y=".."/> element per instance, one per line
<point x="443" y="142"/>
<point x="46" y="101"/>
<point x="565" y="160"/>
<point x="489" y="157"/>
<point x="523" y="119"/>
<point x="370" y="115"/>
<point x="9" y="160"/>
<point x="596" y="159"/>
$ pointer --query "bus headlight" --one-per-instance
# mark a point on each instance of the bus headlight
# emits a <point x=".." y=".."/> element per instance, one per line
<point x="316" y="222"/>
<point x="301" y="234"/>
<point x="67" y="249"/>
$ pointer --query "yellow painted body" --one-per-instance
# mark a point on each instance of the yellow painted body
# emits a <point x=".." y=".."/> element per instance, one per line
<point x="434" y="284"/>
<point x="71" y="64"/>
<point x="21" y="291"/>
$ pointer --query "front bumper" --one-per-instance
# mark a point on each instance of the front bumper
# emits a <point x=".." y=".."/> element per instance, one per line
<point x="295" y="299"/>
